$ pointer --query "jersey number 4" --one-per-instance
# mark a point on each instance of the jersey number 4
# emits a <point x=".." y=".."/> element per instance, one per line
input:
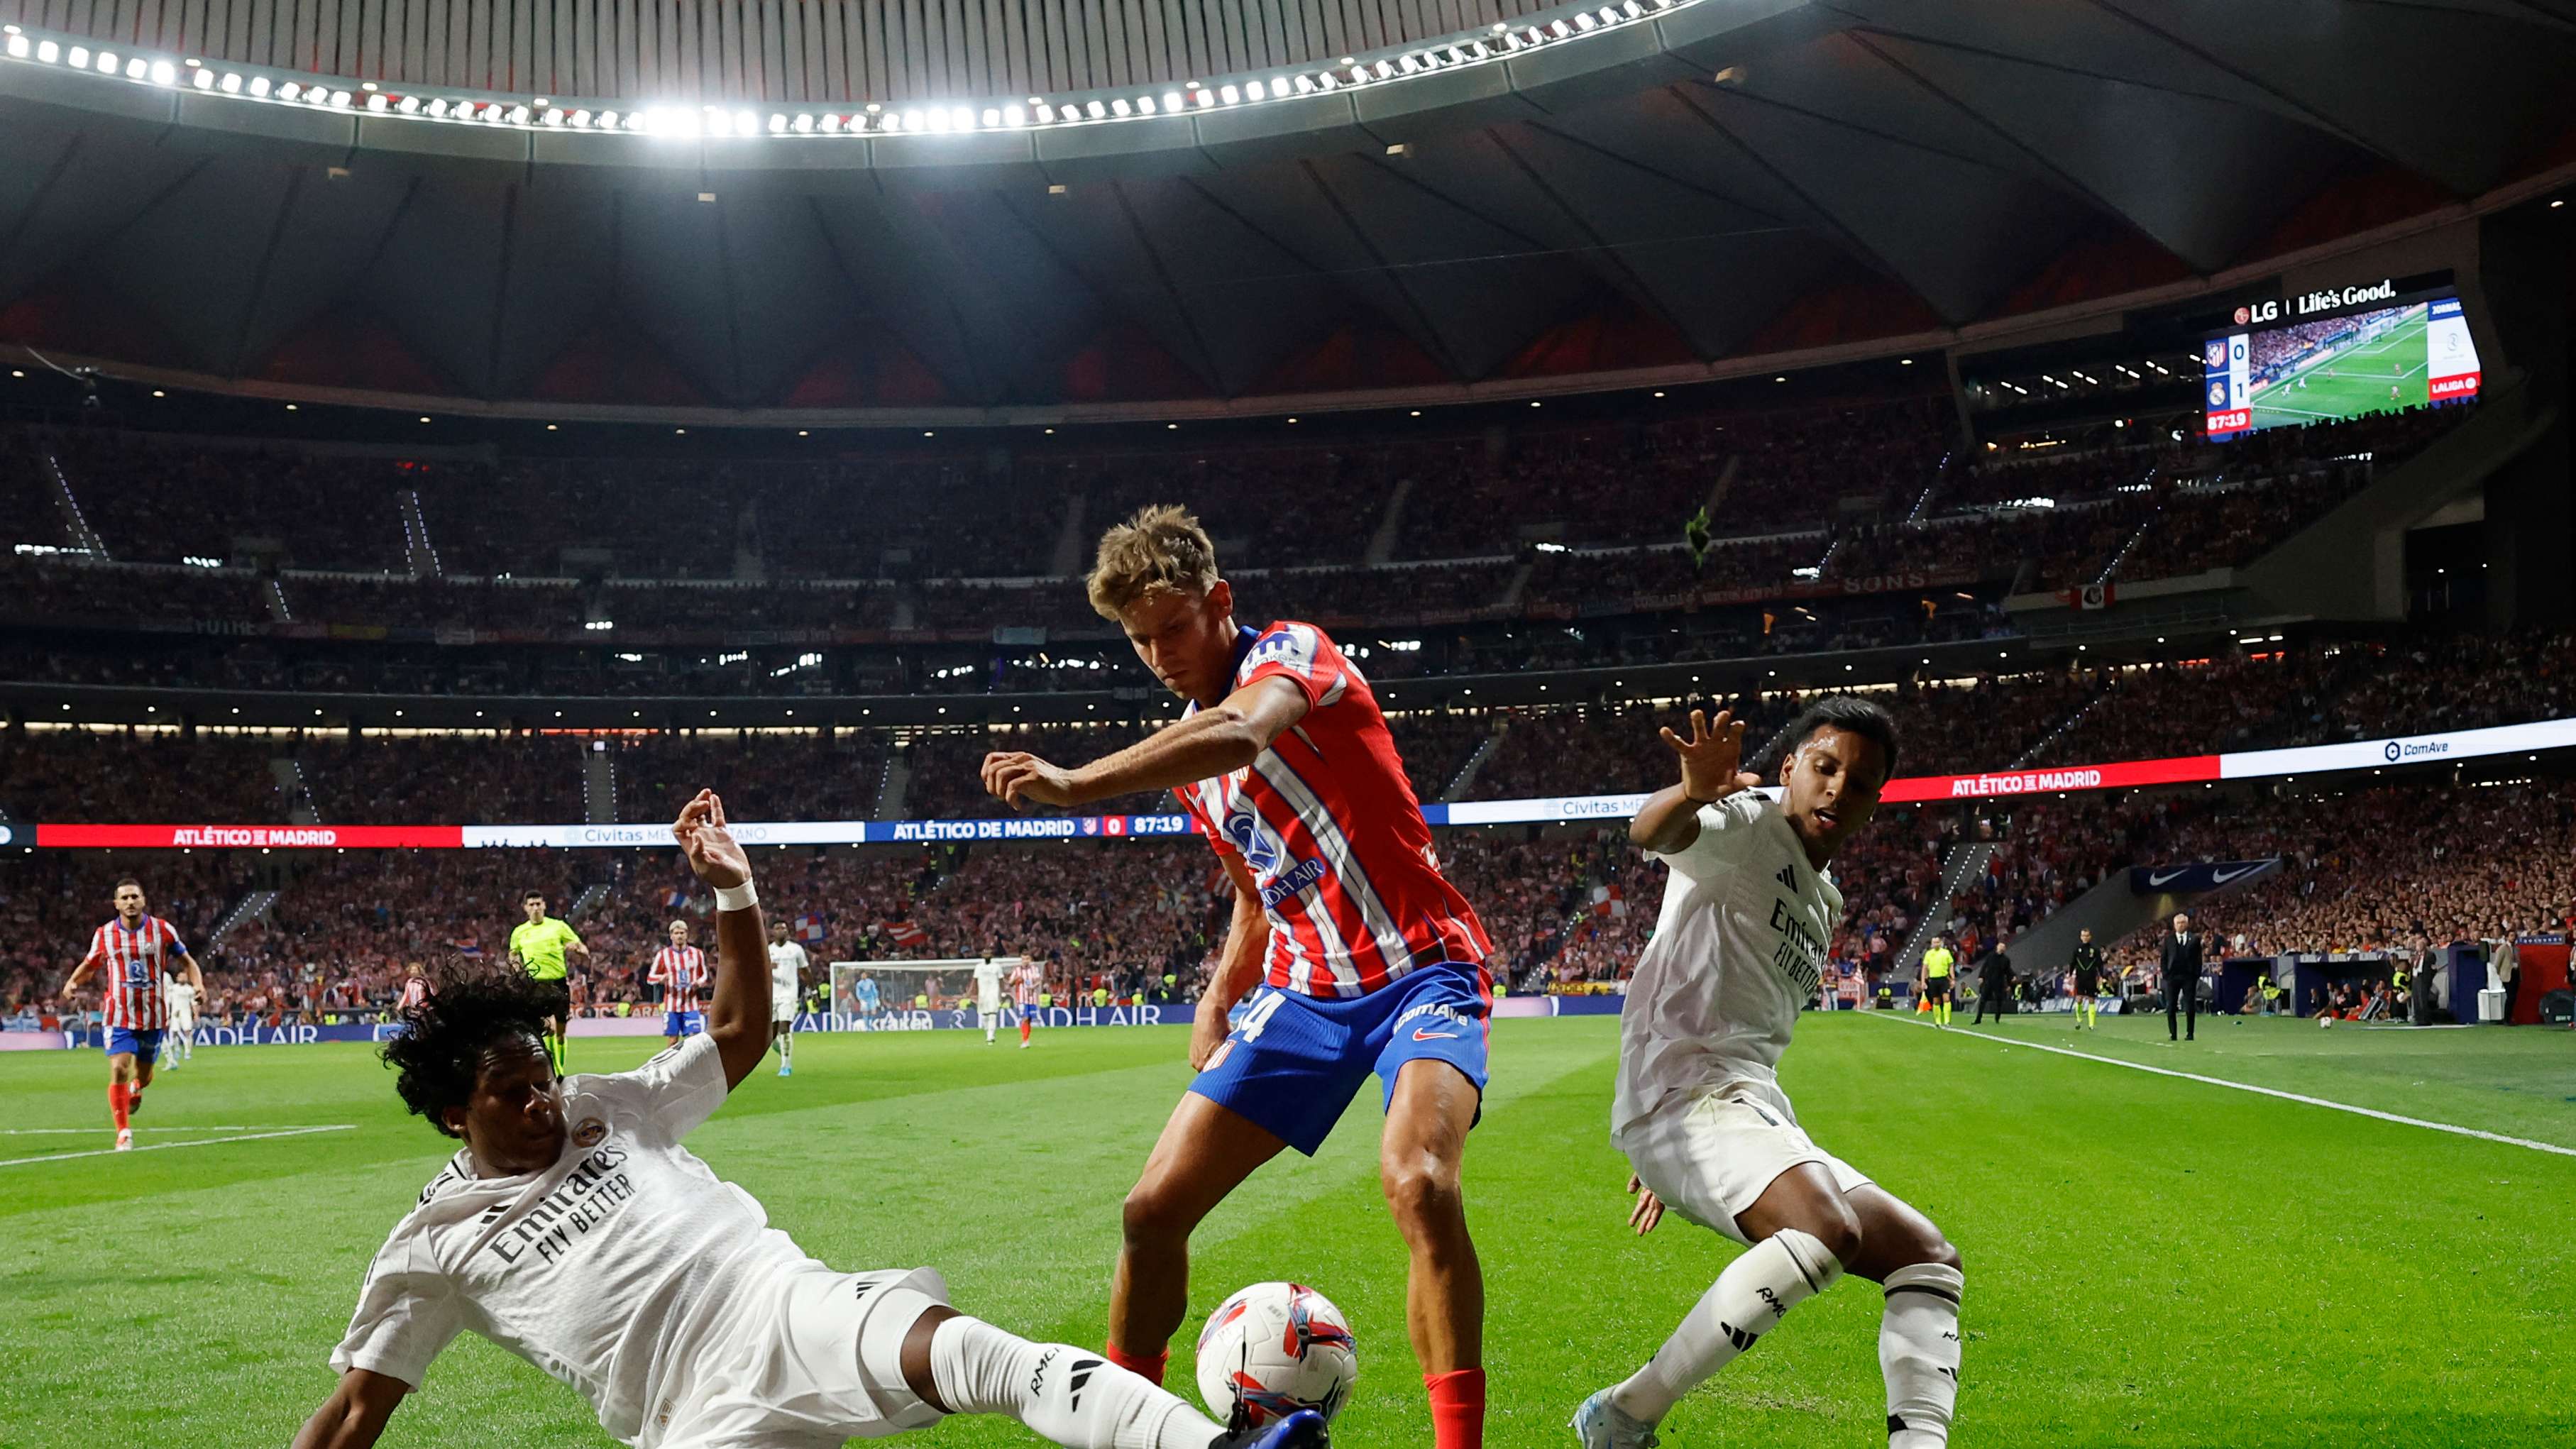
<point x="1258" y="1018"/>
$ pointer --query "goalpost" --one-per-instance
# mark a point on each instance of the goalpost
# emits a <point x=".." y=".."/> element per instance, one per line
<point x="902" y="985"/>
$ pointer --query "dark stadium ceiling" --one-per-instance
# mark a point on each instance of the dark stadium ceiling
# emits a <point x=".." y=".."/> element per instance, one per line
<point x="1726" y="185"/>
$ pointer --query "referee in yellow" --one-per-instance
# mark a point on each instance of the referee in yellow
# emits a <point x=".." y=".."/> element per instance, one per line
<point x="1935" y="982"/>
<point x="538" y="944"/>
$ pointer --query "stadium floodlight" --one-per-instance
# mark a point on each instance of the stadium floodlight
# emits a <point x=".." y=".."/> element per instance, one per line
<point x="961" y="118"/>
<point x="164" y="73"/>
<point x="912" y="120"/>
<point x="1171" y="100"/>
<point x="745" y="124"/>
<point x="608" y="120"/>
<point x="778" y="123"/>
<point x="577" y="118"/>
<point x="992" y="117"/>
<point x="379" y="105"/>
<point x="135" y="69"/>
<point x="204" y="80"/>
<point x="519" y="115"/>
<point x="19" y="47"/>
<point x="48" y="52"/>
<point x="1121" y="109"/>
<point x="258" y="87"/>
<point x="803" y="125"/>
<point x="107" y="62"/>
<point x="287" y="92"/>
<point x="1097" y="111"/>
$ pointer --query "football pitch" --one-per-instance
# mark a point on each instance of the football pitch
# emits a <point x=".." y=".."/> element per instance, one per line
<point x="2362" y="377"/>
<point x="2151" y="1261"/>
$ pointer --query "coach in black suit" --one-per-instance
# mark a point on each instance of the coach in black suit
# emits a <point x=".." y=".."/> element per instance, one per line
<point x="2180" y="974"/>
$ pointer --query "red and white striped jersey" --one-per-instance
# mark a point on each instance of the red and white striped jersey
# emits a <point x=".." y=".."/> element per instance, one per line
<point x="414" y="992"/>
<point x="1027" y="980"/>
<point x="1328" y="825"/>
<point x="680" y="970"/>
<point x="130" y="960"/>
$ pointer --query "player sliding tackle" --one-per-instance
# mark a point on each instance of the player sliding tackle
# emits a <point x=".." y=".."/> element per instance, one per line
<point x="574" y="1230"/>
<point x="1699" y="1111"/>
<point x="1359" y="957"/>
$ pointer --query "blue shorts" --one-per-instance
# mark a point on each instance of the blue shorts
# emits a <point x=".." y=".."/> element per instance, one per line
<point x="143" y="1046"/>
<point x="683" y="1023"/>
<point x="1293" y="1062"/>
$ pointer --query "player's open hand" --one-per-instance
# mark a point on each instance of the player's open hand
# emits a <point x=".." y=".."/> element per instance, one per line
<point x="712" y="851"/>
<point x="1649" y="1209"/>
<point x="1022" y="779"/>
<point x="1712" y="756"/>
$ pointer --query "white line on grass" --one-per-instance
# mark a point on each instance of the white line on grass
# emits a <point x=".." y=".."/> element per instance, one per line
<point x="165" y="1146"/>
<point x="2248" y="1087"/>
<point x="73" y="1131"/>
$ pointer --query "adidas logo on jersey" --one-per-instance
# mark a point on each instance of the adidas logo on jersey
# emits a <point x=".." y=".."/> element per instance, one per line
<point x="1788" y="876"/>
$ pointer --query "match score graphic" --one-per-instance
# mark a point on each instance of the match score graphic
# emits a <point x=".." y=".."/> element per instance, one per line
<point x="2350" y="352"/>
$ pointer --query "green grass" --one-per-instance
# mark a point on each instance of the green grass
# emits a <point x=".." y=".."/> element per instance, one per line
<point x="2360" y="384"/>
<point x="2151" y="1262"/>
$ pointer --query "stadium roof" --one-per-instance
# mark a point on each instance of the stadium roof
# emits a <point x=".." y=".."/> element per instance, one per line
<point x="1711" y="188"/>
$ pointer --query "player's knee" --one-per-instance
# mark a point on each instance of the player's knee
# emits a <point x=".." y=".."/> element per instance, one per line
<point x="1941" y="1252"/>
<point x="1837" y="1227"/>
<point x="1421" y="1191"/>
<point x="1154" y="1217"/>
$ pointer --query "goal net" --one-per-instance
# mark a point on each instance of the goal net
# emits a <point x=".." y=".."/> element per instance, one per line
<point x="914" y="992"/>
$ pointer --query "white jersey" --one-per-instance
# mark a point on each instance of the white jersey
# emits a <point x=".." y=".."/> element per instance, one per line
<point x="182" y="998"/>
<point x="786" y="964"/>
<point x="988" y="985"/>
<point x="1737" y="951"/>
<point x="625" y="1269"/>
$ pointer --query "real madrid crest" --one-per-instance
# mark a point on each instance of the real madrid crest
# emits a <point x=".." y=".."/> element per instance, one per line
<point x="589" y="1132"/>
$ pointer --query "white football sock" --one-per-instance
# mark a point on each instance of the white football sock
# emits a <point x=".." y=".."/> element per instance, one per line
<point x="1918" y="1351"/>
<point x="787" y="1049"/>
<point x="1756" y="1291"/>
<point x="1074" y="1396"/>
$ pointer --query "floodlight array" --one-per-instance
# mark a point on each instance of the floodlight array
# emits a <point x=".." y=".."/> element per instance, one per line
<point x="734" y="121"/>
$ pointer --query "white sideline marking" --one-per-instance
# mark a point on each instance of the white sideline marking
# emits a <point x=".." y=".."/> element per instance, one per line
<point x="2244" y="1087"/>
<point x="75" y="1131"/>
<point x="165" y="1146"/>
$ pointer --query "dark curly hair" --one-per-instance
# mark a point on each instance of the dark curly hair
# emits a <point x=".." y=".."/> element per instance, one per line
<point x="439" y="1052"/>
<point x="1865" y="718"/>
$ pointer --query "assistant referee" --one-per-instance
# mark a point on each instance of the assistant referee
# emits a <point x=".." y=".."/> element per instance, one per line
<point x="538" y="944"/>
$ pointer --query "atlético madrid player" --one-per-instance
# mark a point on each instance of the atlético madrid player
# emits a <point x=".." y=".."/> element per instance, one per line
<point x="129" y="953"/>
<point x="1359" y="955"/>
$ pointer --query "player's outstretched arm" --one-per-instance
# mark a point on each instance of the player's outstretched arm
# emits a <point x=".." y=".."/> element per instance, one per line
<point x="738" y="1012"/>
<point x="355" y="1414"/>
<point x="1238" y="967"/>
<point x="1207" y="744"/>
<point x="1669" y="821"/>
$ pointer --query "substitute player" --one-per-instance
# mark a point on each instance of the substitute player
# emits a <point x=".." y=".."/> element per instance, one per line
<point x="2087" y="964"/>
<point x="539" y="943"/>
<point x="786" y="976"/>
<point x="1699" y="1111"/>
<point x="1358" y="955"/>
<point x="1933" y="981"/>
<point x="679" y="969"/>
<point x="575" y="1230"/>
<point x="1028" y="981"/>
<point x="181" y="993"/>
<point x="131" y="954"/>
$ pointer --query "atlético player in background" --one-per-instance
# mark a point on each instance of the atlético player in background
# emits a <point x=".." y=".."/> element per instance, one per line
<point x="129" y="953"/>
<point x="1359" y="956"/>
<point x="679" y="969"/>
<point x="1027" y="980"/>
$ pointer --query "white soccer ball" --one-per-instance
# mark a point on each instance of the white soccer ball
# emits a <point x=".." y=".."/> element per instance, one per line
<point x="1273" y="1349"/>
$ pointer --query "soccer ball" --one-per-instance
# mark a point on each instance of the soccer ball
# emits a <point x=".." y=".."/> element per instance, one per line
<point x="1273" y="1349"/>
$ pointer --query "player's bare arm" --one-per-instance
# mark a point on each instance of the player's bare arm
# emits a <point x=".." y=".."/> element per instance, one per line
<point x="1711" y="761"/>
<point x="1238" y="964"/>
<point x="356" y="1413"/>
<point x="1215" y="741"/>
<point x="738" y="1010"/>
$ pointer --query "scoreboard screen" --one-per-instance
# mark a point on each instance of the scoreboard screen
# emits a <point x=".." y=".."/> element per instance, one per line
<point x="2348" y="362"/>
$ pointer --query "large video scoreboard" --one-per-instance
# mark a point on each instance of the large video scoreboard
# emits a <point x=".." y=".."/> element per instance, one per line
<point x="2336" y="354"/>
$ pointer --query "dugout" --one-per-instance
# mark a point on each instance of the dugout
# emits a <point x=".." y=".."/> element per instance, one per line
<point x="2311" y="976"/>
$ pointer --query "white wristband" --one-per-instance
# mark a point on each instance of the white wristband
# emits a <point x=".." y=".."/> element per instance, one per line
<point x="737" y="898"/>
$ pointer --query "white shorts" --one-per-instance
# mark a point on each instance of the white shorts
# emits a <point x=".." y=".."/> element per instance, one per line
<point x="782" y="1008"/>
<point x="1710" y="1155"/>
<point x="182" y="1022"/>
<point x="800" y="1378"/>
<point x="992" y="1015"/>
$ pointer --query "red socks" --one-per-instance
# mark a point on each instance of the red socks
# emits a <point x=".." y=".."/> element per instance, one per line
<point x="1457" y="1408"/>
<point x="1151" y="1368"/>
<point x="116" y="1100"/>
<point x="1024" y="1041"/>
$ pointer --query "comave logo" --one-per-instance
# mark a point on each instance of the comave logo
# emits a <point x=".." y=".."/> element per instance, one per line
<point x="2390" y="752"/>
